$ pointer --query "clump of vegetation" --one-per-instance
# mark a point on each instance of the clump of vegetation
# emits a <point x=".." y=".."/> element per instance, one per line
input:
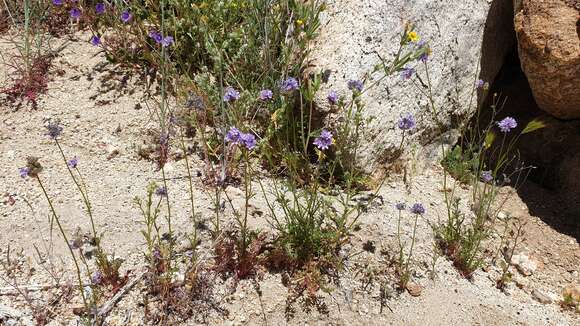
<point x="31" y="63"/>
<point x="485" y="163"/>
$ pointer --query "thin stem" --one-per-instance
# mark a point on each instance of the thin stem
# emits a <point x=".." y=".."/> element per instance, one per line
<point x="190" y="181"/>
<point x="412" y="244"/>
<point x="57" y="219"/>
<point x="83" y="194"/>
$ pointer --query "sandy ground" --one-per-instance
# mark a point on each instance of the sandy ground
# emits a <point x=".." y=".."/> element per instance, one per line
<point x="98" y="108"/>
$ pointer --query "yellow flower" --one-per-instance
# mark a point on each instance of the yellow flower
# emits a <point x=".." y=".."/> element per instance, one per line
<point x="320" y="154"/>
<point x="274" y="119"/>
<point x="299" y="22"/>
<point x="413" y="36"/>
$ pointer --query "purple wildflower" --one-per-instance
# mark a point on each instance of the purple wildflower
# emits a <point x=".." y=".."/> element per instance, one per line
<point x="161" y="192"/>
<point x="400" y="206"/>
<point x="24" y="172"/>
<point x="407" y="122"/>
<point x="332" y="97"/>
<point x="486" y="176"/>
<point x="33" y="167"/>
<point x="230" y="94"/>
<point x="156" y="36"/>
<point x="233" y="135"/>
<point x="57" y="2"/>
<point x="418" y="209"/>
<point x="100" y="8"/>
<point x="355" y="85"/>
<point x="97" y="278"/>
<point x="73" y="162"/>
<point x="507" y="124"/>
<point x="265" y="95"/>
<point x="126" y="16"/>
<point x="423" y="57"/>
<point x="75" y="243"/>
<point x="289" y="85"/>
<point x="324" y="140"/>
<point x="53" y="130"/>
<point x="167" y="41"/>
<point x="249" y="140"/>
<point x="407" y="73"/>
<point x="479" y="83"/>
<point x="95" y="40"/>
<point x="75" y="13"/>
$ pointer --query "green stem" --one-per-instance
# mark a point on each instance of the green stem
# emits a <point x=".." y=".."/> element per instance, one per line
<point x="83" y="194"/>
<point x="190" y="181"/>
<point x="412" y="244"/>
<point x="57" y="219"/>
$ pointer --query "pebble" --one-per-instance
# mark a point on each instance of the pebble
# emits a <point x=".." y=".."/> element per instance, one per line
<point x="542" y="297"/>
<point x="524" y="264"/>
<point x="10" y="155"/>
<point x="414" y="289"/>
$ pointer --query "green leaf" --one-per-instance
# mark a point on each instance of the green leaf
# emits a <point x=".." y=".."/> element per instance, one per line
<point x="533" y="126"/>
<point x="489" y="139"/>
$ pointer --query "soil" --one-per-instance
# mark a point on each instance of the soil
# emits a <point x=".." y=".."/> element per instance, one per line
<point x="105" y="116"/>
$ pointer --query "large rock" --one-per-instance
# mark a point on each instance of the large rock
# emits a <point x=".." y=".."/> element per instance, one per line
<point x="549" y="47"/>
<point x="352" y="33"/>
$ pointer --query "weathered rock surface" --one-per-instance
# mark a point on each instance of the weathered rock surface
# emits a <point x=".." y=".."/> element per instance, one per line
<point x="354" y="33"/>
<point x="549" y="48"/>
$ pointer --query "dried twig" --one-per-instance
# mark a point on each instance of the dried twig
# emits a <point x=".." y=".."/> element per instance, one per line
<point x="108" y="306"/>
<point x="11" y="290"/>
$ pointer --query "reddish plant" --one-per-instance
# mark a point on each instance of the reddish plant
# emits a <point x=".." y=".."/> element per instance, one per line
<point x="30" y="83"/>
<point x="232" y="261"/>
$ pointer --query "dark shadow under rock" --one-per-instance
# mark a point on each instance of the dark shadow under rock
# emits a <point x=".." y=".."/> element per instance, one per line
<point x="552" y="190"/>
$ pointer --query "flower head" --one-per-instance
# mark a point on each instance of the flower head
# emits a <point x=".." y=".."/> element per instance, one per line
<point x="413" y="36"/>
<point x="97" y="278"/>
<point x="100" y="8"/>
<point x="407" y="73"/>
<point x="95" y="40"/>
<point x="75" y="13"/>
<point x="167" y="41"/>
<point x="289" y="85"/>
<point x="73" y="162"/>
<point x="400" y="206"/>
<point x="156" y="36"/>
<point x="486" y="176"/>
<point x="479" y="83"/>
<point x="324" y="140"/>
<point x="265" y="95"/>
<point x="230" y="94"/>
<point x="32" y="169"/>
<point x="233" y="135"/>
<point x="332" y="98"/>
<point x="53" y="129"/>
<point x="507" y="124"/>
<point x="355" y="85"/>
<point x="57" y="2"/>
<point x="126" y="16"/>
<point x="76" y="243"/>
<point x="418" y="209"/>
<point x="248" y="140"/>
<point x="161" y="192"/>
<point x="407" y="122"/>
<point x="24" y="172"/>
